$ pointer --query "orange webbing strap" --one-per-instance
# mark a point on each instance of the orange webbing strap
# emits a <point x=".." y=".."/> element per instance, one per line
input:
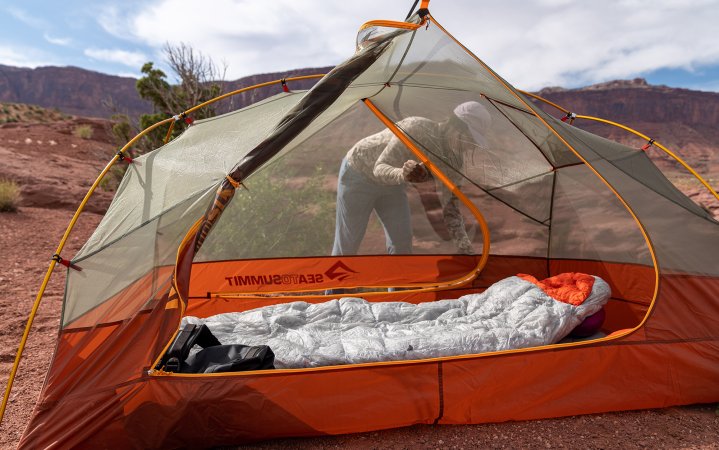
<point x="443" y="178"/>
<point x="424" y="5"/>
<point x="169" y="132"/>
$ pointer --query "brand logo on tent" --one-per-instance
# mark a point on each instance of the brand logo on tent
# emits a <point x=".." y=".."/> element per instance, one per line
<point x="339" y="271"/>
<point x="287" y="278"/>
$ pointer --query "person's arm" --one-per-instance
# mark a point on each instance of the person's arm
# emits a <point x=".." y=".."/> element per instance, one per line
<point x="388" y="167"/>
<point x="455" y="223"/>
<point x="396" y="164"/>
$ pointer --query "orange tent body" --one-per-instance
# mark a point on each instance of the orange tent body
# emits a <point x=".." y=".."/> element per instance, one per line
<point x="205" y="225"/>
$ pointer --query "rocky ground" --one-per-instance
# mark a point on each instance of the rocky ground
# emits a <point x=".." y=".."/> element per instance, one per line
<point x="55" y="165"/>
<point x="27" y="241"/>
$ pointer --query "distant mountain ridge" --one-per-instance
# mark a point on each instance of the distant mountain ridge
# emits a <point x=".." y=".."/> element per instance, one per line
<point x="70" y="89"/>
<point x="637" y="101"/>
<point x="83" y="92"/>
<point x="679" y="118"/>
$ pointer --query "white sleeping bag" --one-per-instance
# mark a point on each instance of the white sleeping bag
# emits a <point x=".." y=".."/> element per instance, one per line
<point x="510" y="314"/>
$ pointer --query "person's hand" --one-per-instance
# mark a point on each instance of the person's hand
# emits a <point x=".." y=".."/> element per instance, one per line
<point x="414" y="172"/>
<point x="465" y="247"/>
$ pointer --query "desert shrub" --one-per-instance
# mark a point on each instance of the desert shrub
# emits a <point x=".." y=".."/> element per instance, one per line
<point x="275" y="217"/>
<point x="83" y="131"/>
<point x="9" y="196"/>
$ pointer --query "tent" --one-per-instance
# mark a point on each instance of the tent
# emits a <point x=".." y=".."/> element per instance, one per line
<point x="239" y="212"/>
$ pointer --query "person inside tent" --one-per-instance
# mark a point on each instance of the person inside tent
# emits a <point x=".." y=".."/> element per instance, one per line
<point x="375" y="172"/>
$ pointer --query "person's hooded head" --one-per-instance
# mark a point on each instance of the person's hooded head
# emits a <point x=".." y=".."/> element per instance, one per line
<point x="475" y="119"/>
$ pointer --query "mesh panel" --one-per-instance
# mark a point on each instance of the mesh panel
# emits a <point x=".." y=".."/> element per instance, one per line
<point x="683" y="234"/>
<point x="637" y="164"/>
<point x="504" y="174"/>
<point x="589" y="222"/>
<point x="289" y="208"/>
<point x="186" y="166"/>
<point x="435" y="61"/>
<point x="552" y="148"/>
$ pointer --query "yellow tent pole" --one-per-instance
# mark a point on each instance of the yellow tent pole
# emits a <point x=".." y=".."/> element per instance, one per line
<point x="447" y="182"/>
<point x="50" y="269"/>
<point x="79" y="210"/>
<point x="256" y="86"/>
<point x="541" y="99"/>
<point x="235" y="92"/>
<point x="660" y="146"/>
<point x="635" y="132"/>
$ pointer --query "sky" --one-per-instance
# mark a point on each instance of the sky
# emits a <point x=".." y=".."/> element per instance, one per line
<point x="531" y="43"/>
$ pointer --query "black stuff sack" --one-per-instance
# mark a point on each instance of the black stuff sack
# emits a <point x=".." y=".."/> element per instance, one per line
<point x="230" y="358"/>
<point x="214" y="356"/>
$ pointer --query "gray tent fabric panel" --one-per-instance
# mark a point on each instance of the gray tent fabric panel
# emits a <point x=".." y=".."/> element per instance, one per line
<point x="685" y="239"/>
<point x="554" y="149"/>
<point x="147" y="247"/>
<point x="194" y="161"/>
<point x="637" y="164"/>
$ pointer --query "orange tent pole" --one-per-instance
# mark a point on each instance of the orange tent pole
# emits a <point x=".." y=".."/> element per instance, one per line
<point x="444" y="179"/>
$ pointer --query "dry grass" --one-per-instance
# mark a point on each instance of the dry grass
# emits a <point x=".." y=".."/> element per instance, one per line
<point x="83" y="131"/>
<point x="19" y="112"/>
<point x="9" y="196"/>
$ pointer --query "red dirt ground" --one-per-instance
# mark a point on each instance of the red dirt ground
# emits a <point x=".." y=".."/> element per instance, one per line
<point x="29" y="238"/>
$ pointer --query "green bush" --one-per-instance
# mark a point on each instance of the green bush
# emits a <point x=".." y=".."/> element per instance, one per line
<point x="83" y="132"/>
<point x="273" y="217"/>
<point x="9" y="196"/>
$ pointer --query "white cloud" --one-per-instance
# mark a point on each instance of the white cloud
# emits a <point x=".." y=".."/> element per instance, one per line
<point x="26" y="18"/>
<point x="252" y="36"/>
<point x="57" y="40"/>
<point x="531" y="43"/>
<point x="550" y="42"/>
<point x="22" y="57"/>
<point x="131" y="59"/>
